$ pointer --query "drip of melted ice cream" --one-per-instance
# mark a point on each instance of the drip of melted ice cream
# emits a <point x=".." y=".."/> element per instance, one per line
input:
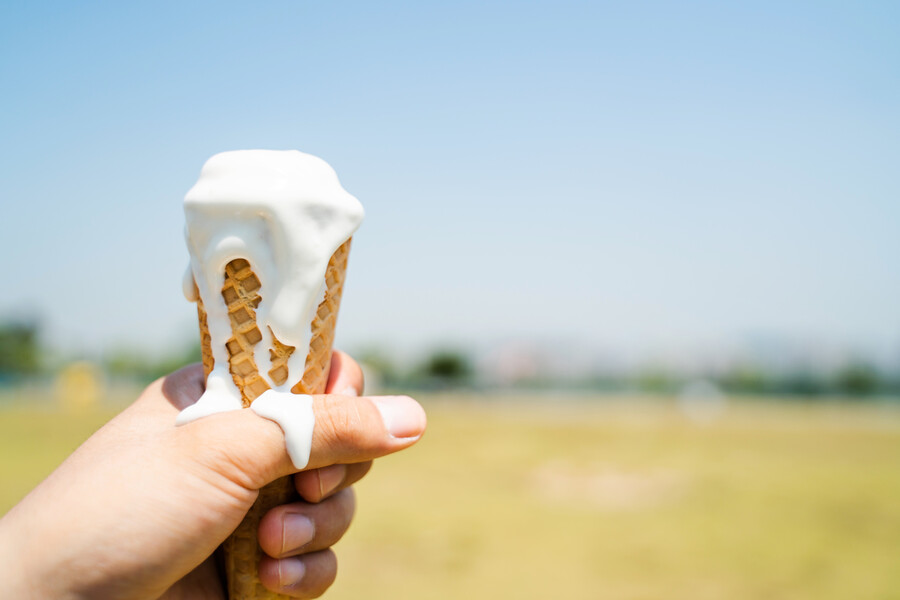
<point x="286" y="213"/>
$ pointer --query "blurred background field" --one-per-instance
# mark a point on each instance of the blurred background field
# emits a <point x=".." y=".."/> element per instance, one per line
<point x="536" y="496"/>
<point x="631" y="499"/>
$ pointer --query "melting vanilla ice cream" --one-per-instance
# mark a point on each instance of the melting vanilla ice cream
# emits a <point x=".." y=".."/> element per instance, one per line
<point x="286" y="213"/>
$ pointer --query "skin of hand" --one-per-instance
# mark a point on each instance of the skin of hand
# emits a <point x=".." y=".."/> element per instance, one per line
<point x="140" y="508"/>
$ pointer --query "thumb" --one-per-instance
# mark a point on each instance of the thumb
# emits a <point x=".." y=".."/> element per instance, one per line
<point x="251" y="450"/>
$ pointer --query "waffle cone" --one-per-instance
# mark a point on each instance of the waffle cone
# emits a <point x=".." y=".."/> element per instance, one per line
<point x="241" y="293"/>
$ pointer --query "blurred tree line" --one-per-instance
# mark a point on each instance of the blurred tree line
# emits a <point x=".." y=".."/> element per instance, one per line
<point x="448" y="368"/>
<point x="856" y="379"/>
<point x="441" y="369"/>
<point x="133" y="364"/>
<point x="22" y="356"/>
<point x="20" y="352"/>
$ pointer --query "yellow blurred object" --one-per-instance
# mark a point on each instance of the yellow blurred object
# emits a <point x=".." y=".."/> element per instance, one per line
<point x="79" y="387"/>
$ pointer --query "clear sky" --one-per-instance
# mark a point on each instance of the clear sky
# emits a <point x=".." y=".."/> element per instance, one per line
<point x="628" y="176"/>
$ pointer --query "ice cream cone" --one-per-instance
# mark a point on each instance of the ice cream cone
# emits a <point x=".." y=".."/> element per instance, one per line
<point x="242" y="294"/>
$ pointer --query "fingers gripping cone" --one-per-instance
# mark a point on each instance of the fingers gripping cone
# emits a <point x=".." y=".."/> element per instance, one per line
<point x="242" y="293"/>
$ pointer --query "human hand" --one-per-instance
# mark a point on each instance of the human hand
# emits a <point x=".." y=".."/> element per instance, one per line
<point x="140" y="508"/>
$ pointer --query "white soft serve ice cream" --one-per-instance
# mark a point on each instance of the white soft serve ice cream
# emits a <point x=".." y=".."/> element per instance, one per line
<point x="285" y="212"/>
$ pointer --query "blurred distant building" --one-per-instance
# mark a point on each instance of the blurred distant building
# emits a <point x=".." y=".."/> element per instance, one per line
<point x="510" y="364"/>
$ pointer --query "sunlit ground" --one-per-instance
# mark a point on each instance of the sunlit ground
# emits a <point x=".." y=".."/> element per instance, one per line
<point x="600" y="498"/>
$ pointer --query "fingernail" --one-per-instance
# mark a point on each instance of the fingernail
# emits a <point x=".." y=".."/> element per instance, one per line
<point x="290" y="571"/>
<point x="349" y="391"/>
<point x="297" y="531"/>
<point x="330" y="477"/>
<point x="402" y="416"/>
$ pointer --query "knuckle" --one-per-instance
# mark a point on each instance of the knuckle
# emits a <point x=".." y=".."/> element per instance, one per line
<point x="337" y="423"/>
<point x="346" y="499"/>
<point x="327" y="572"/>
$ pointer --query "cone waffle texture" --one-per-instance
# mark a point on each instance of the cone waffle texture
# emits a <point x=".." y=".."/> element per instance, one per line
<point x="242" y="293"/>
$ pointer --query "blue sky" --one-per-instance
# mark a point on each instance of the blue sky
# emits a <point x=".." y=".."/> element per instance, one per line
<point x="634" y="176"/>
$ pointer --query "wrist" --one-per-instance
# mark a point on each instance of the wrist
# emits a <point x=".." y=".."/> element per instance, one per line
<point x="20" y="578"/>
<point x="13" y="572"/>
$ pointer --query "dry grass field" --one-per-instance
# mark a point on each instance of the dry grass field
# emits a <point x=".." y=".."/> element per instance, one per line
<point x="600" y="499"/>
